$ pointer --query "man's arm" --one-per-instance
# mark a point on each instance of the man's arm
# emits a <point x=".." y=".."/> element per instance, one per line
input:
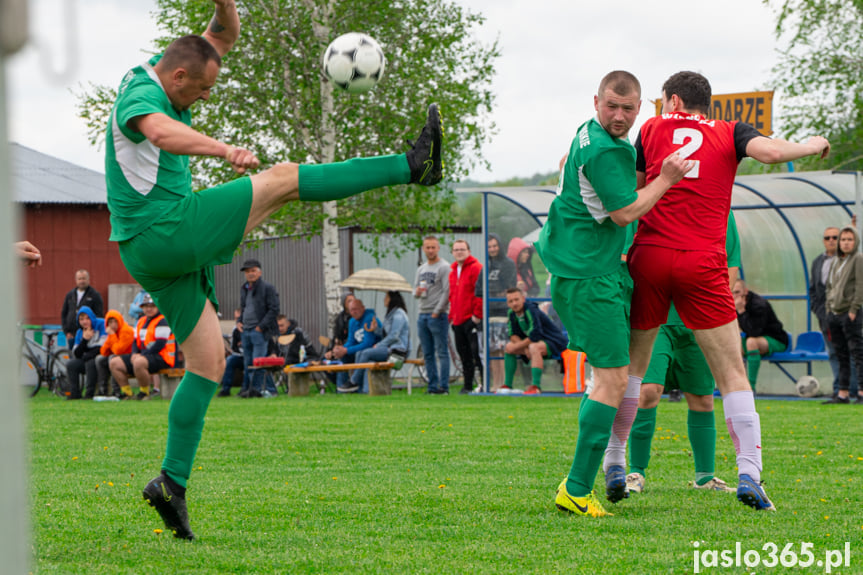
<point x="272" y="303"/>
<point x="224" y="28"/>
<point x="775" y="151"/>
<point x="673" y="169"/>
<point x="177" y="138"/>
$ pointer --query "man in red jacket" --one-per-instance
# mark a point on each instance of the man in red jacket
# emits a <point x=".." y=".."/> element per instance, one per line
<point x="465" y="309"/>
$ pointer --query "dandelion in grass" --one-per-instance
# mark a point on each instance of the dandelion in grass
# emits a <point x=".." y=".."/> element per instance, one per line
<point x="157" y="531"/>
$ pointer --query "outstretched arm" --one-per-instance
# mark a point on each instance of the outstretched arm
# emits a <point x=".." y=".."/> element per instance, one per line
<point x="673" y="169"/>
<point x="224" y="28"/>
<point x="775" y="151"/>
<point x="177" y="138"/>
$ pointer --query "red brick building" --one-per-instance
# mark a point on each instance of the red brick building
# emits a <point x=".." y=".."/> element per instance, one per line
<point x="64" y="213"/>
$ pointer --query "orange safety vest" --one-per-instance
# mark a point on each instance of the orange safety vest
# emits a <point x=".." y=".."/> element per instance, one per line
<point x="169" y="352"/>
<point x="574" y="379"/>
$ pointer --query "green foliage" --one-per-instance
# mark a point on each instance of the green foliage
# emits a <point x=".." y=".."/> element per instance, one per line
<point x="272" y="98"/>
<point x="418" y="484"/>
<point x="820" y="72"/>
<point x="549" y="179"/>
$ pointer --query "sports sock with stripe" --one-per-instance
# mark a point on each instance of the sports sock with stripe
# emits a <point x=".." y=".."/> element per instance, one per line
<point x="615" y="453"/>
<point x="744" y="425"/>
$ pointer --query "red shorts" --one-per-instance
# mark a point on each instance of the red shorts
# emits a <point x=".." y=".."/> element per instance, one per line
<point x="696" y="281"/>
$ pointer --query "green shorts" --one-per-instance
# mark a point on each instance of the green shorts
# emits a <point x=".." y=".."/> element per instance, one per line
<point x="677" y="362"/>
<point x="174" y="258"/>
<point x="595" y="312"/>
<point x="773" y="345"/>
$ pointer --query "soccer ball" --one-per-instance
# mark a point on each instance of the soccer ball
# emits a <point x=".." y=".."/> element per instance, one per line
<point x="807" y="386"/>
<point x="354" y="62"/>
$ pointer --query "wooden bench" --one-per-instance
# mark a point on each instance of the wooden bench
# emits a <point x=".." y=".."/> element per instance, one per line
<point x="380" y="380"/>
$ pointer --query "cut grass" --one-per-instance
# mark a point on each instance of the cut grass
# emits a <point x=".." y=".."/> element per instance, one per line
<point x="418" y="484"/>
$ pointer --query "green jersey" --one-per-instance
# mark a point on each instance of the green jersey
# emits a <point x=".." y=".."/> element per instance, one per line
<point x="579" y="240"/>
<point x="143" y="181"/>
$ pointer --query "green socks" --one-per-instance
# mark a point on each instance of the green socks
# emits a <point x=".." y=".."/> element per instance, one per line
<point x="641" y="440"/>
<point x="702" y="438"/>
<point x="185" y="424"/>
<point x="536" y="376"/>
<point x="510" y="362"/>
<point x="594" y="430"/>
<point x="753" y="363"/>
<point x="326" y="182"/>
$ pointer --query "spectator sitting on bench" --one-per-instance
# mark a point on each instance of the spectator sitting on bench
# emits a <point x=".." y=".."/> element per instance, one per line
<point x="358" y="339"/>
<point x="234" y="360"/>
<point x="153" y="349"/>
<point x="119" y="342"/>
<point x="289" y="347"/>
<point x="396" y="339"/>
<point x="88" y="340"/>
<point x="764" y="331"/>
<point x="533" y="336"/>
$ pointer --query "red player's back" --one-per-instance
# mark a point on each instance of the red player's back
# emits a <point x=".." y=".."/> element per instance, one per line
<point x="693" y="214"/>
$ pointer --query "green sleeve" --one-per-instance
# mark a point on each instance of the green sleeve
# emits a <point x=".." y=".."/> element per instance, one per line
<point x="732" y="242"/>
<point x="611" y="172"/>
<point x="140" y="100"/>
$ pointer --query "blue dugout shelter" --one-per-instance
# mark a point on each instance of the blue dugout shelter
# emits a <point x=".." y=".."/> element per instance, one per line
<point x="780" y="218"/>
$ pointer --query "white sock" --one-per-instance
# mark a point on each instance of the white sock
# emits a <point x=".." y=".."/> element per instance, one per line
<point x="615" y="453"/>
<point x="744" y="425"/>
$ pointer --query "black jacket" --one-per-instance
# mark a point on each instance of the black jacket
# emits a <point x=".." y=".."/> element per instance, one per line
<point x="69" y="315"/>
<point x="759" y="319"/>
<point x="818" y="292"/>
<point x="501" y="277"/>
<point x="266" y="307"/>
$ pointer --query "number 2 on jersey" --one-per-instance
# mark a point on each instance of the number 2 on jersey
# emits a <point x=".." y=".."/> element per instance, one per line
<point x="695" y="138"/>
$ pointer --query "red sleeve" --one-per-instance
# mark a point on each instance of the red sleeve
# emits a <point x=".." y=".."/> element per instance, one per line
<point x="477" y="301"/>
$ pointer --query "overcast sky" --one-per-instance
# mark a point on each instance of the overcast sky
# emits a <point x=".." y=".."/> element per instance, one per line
<point x="554" y="52"/>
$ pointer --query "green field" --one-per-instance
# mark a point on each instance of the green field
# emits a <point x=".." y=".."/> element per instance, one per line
<point x="418" y="484"/>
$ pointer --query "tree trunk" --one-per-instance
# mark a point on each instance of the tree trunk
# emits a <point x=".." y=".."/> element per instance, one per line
<point x="330" y="231"/>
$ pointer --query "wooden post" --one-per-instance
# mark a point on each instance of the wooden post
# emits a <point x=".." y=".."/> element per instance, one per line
<point x="380" y="382"/>
<point x="299" y="383"/>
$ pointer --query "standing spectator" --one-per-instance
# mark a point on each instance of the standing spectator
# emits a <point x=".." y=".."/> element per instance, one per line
<point x="119" y="342"/>
<point x="844" y="299"/>
<point x="359" y="338"/>
<point x="501" y="277"/>
<point x="83" y="294"/>
<point x="88" y="340"/>
<point x="154" y="349"/>
<point x="396" y="338"/>
<point x="259" y="305"/>
<point x="432" y="290"/>
<point x="465" y="309"/>
<point x="818" y="303"/>
<point x="764" y="331"/>
<point x="532" y="336"/>
<point x="520" y="252"/>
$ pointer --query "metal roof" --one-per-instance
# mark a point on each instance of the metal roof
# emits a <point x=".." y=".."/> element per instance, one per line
<point x="38" y="178"/>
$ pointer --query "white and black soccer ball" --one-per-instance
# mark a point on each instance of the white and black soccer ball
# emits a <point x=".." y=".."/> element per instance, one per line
<point x="808" y="386"/>
<point x="354" y="62"/>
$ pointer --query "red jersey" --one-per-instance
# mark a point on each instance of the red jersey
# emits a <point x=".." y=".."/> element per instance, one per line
<point x="693" y="214"/>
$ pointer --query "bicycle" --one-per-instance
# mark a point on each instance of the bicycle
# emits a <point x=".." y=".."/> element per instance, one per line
<point x="46" y="363"/>
<point x="455" y="367"/>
